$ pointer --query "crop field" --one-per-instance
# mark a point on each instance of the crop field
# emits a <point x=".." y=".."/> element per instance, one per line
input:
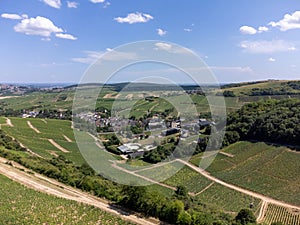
<point x="21" y="205"/>
<point x="38" y="140"/>
<point x="266" y="169"/>
<point x="194" y="181"/>
<point x="276" y="213"/>
<point x="40" y="101"/>
<point x="227" y="199"/>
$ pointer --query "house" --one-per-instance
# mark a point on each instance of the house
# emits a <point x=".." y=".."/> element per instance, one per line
<point x="156" y="123"/>
<point x="129" y="148"/>
<point x="136" y="154"/>
<point x="170" y="131"/>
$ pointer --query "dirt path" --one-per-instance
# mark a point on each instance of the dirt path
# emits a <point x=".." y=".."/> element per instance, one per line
<point x="30" y="151"/>
<point x="33" y="128"/>
<point x="58" y="146"/>
<point x="9" y="123"/>
<point x="262" y="211"/>
<point x="141" y="176"/>
<point x="45" y="121"/>
<point x="67" y="139"/>
<point x="226" y="154"/>
<point x="200" y="192"/>
<point x="52" y="187"/>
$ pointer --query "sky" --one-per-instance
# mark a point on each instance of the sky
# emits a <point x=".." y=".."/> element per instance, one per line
<point x="56" y="41"/>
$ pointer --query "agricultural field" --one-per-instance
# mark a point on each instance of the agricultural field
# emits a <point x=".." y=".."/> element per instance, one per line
<point x="275" y="85"/>
<point x="260" y="167"/>
<point x="35" y="134"/>
<point x="194" y="181"/>
<point x="227" y="199"/>
<point x="275" y="213"/>
<point x="40" y="101"/>
<point x="21" y="205"/>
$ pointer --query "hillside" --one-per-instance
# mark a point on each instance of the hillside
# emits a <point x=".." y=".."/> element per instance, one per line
<point x="263" y="88"/>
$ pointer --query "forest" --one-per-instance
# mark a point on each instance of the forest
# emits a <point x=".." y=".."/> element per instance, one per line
<point x="270" y="121"/>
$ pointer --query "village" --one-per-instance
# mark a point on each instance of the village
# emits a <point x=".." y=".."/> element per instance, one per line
<point x="133" y="138"/>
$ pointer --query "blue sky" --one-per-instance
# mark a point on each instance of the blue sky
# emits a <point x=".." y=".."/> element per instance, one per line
<point x="57" y="40"/>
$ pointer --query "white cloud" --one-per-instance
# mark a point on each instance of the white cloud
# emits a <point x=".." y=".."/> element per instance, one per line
<point x="72" y="4"/>
<point x="239" y="69"/>
<point x="187" y="29"/>
<point x="106" y="4"/>
<point x="134" y="18"/>
<point x="163" y="46"/>
<point x="271" y="59"/>
<point x="263" y="29"/>
<point x="37" y="26"/>
<point x="161" y="32"/>
<point x="97" y="1"/>
<point x="11" y="16"/>
<point x="288" y="22"/>
<point x="248" y="30"/>
<point x="46" y="39"/>
<point x="93" y="56"/>
<point x="267" y="46"/>
<point x="53" y="3"/>
<point x="66" y="36"/>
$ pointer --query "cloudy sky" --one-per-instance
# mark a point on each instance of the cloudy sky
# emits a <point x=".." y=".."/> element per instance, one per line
<point x="57" y="40"/>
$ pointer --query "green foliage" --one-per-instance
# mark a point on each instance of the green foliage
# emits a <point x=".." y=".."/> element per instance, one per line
<point x="184" y="218"/>
<point x="272" y="121"/>
<point x="245" y="216"/>
<point x="181" y="191"/>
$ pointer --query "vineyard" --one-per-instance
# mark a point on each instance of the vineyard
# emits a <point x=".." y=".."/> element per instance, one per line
<point x="275" y="213"/>
<point x="227" y="199"/>
<point x="37" y="139"/>
<point x="21" y="205"/>
<point x="260" y="167"/>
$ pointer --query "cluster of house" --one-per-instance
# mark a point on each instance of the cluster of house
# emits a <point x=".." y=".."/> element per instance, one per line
<point x="163" y="128"/>
<point x="6" y="89"/>
<point x="30" y="114"/>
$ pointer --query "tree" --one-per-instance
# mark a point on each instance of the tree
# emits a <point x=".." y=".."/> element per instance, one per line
<point x="181" y="191"/>
<point x="172" y="211"/>
<point x="184" y="218"/>
<point x="245" y="216"/>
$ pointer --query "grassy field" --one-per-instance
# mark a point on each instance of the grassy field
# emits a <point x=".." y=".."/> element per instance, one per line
<point x="21" y="205"/>
<point x="266" y="169"/>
